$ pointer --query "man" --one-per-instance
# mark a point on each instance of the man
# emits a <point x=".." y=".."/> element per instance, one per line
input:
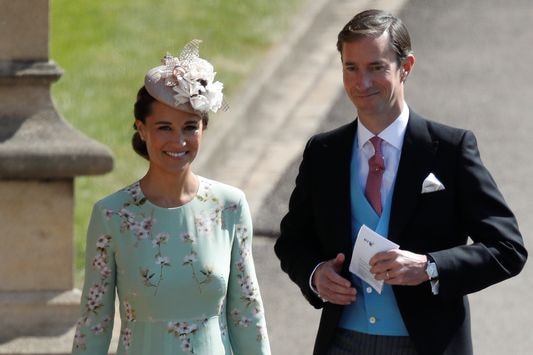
<point x="417" y="182"/>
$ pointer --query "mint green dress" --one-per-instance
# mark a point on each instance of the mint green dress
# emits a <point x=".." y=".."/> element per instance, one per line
<point x="184" y="276"/>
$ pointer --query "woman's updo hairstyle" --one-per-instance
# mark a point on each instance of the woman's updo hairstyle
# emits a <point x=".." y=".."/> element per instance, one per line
<point x="141" y="110"/>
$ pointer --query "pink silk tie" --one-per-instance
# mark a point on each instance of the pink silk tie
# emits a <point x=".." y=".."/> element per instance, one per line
<point x="376" y="167"/>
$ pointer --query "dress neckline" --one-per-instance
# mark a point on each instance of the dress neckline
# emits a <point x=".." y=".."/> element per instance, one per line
<point x="140" y="196"/>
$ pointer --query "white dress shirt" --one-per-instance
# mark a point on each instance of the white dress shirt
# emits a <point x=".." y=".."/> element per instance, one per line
<point x="391" y="148"/>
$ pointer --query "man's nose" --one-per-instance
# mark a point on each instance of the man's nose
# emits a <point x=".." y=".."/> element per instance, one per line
<point x="363" y="81"/>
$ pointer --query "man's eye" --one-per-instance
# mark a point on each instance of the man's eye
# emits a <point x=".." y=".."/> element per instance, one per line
<point x="191" y="128"/>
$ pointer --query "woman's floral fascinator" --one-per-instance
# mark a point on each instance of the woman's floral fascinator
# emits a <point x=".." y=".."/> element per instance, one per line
<point x="186" y="82"/>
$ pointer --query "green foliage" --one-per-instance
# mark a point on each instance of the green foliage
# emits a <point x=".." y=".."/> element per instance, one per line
<point x="106" y="47"/>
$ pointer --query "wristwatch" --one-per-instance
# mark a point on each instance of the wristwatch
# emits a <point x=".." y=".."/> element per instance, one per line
<point x="431" y="270"/>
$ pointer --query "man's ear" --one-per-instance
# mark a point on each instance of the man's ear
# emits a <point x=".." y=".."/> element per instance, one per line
<point x="406" y="66"/>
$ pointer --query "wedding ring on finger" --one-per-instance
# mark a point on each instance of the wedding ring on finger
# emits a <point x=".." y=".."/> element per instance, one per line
<point x="388" y="277"/>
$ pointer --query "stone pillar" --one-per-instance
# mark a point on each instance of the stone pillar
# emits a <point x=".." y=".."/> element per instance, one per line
<point x="40" y="154"/>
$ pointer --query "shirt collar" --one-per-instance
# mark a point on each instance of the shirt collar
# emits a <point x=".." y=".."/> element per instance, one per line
<point x="393" y="134"/>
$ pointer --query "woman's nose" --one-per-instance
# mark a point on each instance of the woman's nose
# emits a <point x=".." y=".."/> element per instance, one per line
<point x="181" y="140"/>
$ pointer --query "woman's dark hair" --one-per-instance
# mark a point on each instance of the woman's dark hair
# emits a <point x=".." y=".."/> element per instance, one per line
<point x="141" y="110"/>
<point x="373" y="23"/>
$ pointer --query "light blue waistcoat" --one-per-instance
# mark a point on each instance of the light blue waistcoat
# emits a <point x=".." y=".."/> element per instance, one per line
<point x="371" y="313"/>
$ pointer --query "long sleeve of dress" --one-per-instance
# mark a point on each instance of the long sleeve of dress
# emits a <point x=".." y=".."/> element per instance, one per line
<point x="94" y="327"/>
<point x="245" y="313"/>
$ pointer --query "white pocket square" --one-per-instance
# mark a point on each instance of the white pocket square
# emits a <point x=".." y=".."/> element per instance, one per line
<point x="431" y="184"/>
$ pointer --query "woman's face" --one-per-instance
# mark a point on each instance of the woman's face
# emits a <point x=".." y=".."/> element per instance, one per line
<point x="172" y="138"/>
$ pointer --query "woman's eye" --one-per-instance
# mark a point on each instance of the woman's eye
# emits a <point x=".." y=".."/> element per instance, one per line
<point x="164" y="128"/>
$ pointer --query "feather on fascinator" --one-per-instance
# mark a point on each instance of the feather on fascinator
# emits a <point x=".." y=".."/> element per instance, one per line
<point x="186" y="82"/>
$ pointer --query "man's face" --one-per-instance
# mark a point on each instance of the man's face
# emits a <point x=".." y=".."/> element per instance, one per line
<point x="373" y="79"/>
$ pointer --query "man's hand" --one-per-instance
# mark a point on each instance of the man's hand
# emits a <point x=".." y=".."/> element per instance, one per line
<point x="330" y="285"/>
<point x="399" y="267"/>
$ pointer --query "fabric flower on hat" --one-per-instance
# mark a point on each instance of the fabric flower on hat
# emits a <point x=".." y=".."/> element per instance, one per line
<point x="186" y="82"/>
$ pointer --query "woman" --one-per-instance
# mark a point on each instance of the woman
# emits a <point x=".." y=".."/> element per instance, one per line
<point x="176" y="246"/>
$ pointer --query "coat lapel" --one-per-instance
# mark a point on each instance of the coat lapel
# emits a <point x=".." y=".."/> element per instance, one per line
<point x="416" y="160"/>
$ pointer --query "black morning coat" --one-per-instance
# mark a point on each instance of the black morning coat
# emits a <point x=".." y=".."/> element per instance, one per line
<point x="318" y="226"/>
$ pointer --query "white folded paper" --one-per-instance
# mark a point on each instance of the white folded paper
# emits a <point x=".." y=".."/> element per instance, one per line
<point x="367" y="244"/>
<point x="431" y="184"/>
